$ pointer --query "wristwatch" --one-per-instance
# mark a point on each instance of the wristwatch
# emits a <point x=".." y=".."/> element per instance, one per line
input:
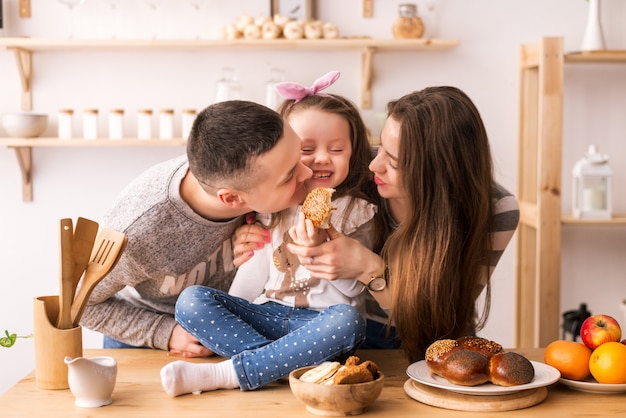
<point x="378" y="283"/>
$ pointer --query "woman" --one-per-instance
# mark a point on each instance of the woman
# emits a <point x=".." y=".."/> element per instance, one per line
<point x="450" y="223"/>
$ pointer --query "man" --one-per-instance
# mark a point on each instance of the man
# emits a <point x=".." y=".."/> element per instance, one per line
<point x="180" y="217"/>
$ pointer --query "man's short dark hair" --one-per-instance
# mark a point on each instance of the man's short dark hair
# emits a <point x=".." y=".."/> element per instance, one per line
<point x="226" y="137"/>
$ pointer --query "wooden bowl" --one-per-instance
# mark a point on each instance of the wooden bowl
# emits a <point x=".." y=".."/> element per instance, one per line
<point x="24" y="124"/>
<point x="335" y="400"/>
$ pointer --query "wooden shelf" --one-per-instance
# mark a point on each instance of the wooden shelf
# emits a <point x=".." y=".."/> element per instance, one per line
<point x="24" y="151"/>
<point x="100" y="142"/>
<point x="617" y="56"/>
<point x="23" y="49"/>
<point x="538" y="270"/>
<point x="48" y="44"/>
<point x="617" y="219"/>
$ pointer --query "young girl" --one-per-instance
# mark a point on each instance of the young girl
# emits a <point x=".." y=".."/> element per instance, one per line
<point x="295" y="320"/>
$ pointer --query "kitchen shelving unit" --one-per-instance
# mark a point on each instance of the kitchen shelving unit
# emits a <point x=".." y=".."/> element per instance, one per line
<point x="538" y="267"/>
<point x="23" y="49"/>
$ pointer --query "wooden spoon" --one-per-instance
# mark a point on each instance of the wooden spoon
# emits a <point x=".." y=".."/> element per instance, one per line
<point x="66" y="294"/>
<point x="85" y="234"/>
<point x="106" y="252"/>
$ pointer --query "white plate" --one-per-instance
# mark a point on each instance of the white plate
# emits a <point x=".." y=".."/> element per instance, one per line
<point x="544" y="375"/>
<point x="590" y="385"/>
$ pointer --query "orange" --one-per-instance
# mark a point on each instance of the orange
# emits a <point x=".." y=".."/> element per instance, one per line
<point x="571" y="358"/>
<point x="608" y="363"/>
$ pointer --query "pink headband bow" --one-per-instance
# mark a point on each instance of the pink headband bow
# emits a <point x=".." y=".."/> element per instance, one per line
<point x="294" y="91"/>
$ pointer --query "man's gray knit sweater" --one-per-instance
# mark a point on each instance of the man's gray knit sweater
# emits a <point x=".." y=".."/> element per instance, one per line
<point x="170" y="247"/>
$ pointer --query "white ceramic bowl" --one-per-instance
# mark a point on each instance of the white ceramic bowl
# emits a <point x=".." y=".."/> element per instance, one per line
<point x="24" y="124"/>
<point x="335" y="400"/>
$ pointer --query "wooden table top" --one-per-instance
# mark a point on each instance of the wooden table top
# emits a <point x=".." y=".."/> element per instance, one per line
<point x="138" y="393"/>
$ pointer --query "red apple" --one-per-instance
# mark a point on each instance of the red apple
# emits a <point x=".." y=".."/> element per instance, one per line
<point x="599" y="329"/>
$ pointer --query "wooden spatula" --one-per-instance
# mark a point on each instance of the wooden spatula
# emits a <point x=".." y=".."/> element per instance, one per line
<point x="106" y="251"/>
<point x="66" y="294"/>
<point x="85" y="234"/>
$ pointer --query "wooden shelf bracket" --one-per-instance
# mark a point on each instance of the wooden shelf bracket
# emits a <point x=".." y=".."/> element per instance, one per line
<point x="366" y="78"/>
<point x="25" y="161"/>
<point x="24" y="61"/>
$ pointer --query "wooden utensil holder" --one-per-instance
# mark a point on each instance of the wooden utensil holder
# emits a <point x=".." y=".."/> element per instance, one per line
<point x="53" y="344"/>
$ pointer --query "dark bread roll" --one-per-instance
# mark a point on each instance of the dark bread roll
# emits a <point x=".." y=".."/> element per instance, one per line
<point x="510" y="369"/>
<point x="438" y="352"/>
<point x="471" y="361"/>
<point x="481" y="345"/>
<point x="466" y="368"/>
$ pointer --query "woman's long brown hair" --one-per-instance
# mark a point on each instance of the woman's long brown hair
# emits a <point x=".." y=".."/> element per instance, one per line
<point x="438" y="255"/>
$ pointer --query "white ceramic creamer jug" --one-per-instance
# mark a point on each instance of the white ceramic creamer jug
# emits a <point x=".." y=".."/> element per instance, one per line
<point x="91" y="380"/>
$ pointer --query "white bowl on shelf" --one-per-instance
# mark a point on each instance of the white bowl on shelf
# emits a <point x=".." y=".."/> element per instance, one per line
<point x="24" y="124"/>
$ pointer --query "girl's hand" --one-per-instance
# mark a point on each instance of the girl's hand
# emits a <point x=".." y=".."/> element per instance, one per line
<point x="247" y="238"/>
<point x="305" y="234"/>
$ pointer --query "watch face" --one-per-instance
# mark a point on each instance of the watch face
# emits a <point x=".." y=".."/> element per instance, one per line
<point x="377" y="284"/>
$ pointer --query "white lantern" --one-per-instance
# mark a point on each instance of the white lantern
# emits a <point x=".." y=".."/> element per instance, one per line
<point x="591" y="197"/>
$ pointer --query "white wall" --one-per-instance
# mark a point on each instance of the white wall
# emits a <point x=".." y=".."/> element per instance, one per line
<point x="72" y="182"/>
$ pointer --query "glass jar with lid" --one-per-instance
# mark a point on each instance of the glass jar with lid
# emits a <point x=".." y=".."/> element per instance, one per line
<point x="65" y="117"/>
<point x="116" y="124"/>
<point x="188" y="117"/>
<point x="228" y="87"/>
<point x="166" y="124"/>
<point x="272" y="98"/>
<point x="90" y="123"/>
<point x="144" y="124"/>
<point x="408" y="25"/>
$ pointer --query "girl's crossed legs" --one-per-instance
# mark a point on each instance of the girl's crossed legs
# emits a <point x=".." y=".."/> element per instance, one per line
<point x="265" y="342"/>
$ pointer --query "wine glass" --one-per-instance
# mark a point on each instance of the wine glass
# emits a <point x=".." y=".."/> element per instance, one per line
<point x="71" y="4"/>
<point x="430" y="18"/>
<point x="197" y="6"/>
<point x="154" y="5"/>
<point x="113" y="5"/>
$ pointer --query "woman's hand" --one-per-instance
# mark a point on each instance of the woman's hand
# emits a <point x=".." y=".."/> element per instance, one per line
<point x="247" y="238"/>
<point x="339" y="258"/>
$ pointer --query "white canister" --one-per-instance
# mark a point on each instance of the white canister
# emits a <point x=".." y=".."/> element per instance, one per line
<point x="65" y="117"/>
<point x="116" y="124"/>
<point x="166" y="124"/>
<point x="90" y="123"/>
<point x="188" y="116"/>
<point x="144" y="124"/>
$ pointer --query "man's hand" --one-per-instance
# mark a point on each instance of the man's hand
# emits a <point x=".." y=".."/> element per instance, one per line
<point x="182" y="342"/>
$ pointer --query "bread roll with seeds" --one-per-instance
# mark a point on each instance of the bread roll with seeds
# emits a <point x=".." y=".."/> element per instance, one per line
<point x="317" y="206"/>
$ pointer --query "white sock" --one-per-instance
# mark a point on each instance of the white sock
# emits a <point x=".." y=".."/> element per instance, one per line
<point x="180" y="377"/>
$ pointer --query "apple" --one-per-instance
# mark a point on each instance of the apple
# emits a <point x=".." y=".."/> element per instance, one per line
<point x="599" y="329"/>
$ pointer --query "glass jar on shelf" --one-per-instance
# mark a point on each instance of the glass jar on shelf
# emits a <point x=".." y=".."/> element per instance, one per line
<point x="408" y="25"/>
<point x="272" y="98"/>
<point x="144" y="124"/>
<point x="116" y="124"/>
<point x="188" y="117"/>
<point x="166" y="124"/>
<point x="90" y="123"/>
<point x="228" y="87"/>
<point x="65" y="121"/>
